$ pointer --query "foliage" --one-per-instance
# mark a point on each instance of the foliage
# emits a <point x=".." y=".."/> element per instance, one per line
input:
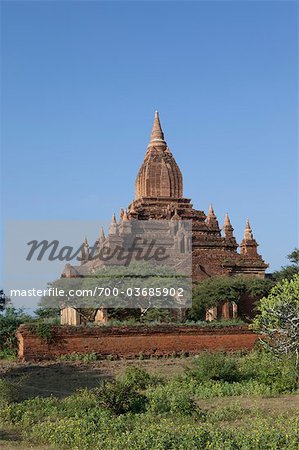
<point x="294" y="256"/>
<point x="216" y="290"/>
<point x="9" y="393"/>
<point x="167" y="433"/>
<point x="120" y="398"/>
<point x="215" y="366"/>
<point x="278" y="318"/>
<point x="287" y="272"/>
<point x="256" y="373"/>
<point x="136" y="377"/>
<point x="166" y="415"/>
<point x="43" y="330"/>
<point x="52" y="314"/>
<point x="216" y="323"/>
<point x="141" y="275"/>
<point x="29" y="411"/>
<point x="8" y="354"/>
<point x="4" y="300"/>
<point x="164" y="399"/>
<point x="83" y="357"/>
<point x="10" y="320"/>
<point x="277" y="374"/>
<point x="158" y="315"/>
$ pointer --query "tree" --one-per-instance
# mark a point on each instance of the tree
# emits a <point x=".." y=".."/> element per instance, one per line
<point x="287" y="272"/>
<point x="4" y="300"/>
<point x="278" y="319"/>
<point x="47" y="313"/>
<point x="125" y="291"/>
<point x="10" y="320"/>
<point x="214" y="291"/>
<point x="294" y="256"/>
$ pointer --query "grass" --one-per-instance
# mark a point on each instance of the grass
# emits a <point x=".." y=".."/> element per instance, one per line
<point x="220" y="401"/>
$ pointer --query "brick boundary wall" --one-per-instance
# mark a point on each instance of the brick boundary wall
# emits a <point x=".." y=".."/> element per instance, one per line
<point x="129" y="342"/>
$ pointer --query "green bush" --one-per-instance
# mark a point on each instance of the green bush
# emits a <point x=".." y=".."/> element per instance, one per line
<point x="8" y="354"/>
<point x="120" y="398"/>
<point x="164" y="399"/>
<point x="10" y="320"/>
<point x="157" y="315"/>
<point x="136" y="377"/>
<point x="279" y="374"/>
<point x="69" y="433"/>
<point x="215" y="366"/>
<point x="9" y="393"/>
<point x="79" y="403"/>
<point x="30" y="411"/>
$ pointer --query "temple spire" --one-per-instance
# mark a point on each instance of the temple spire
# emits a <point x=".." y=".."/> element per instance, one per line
<point x="248" y="245"/>
<point x="211" y="218"/>
<point x="226" y="223"/>
<point x="113" y="229"/>
<point x="125" y="215"/>
<point x="102" y="234"/>
<point x="228" y="232"/>
<point x="227" y="227"/>
<point x="84" y="251"/>
<point x="157" y="134"/>
<point x="211" y="214"/>
<point x="159" y="174"/>
<point x="248" y="231"/>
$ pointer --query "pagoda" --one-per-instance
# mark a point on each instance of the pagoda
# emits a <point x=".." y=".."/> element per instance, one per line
<point x="159" y="196"/>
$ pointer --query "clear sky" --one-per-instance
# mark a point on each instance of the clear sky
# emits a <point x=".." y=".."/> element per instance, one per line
<point x="81" y="81"/>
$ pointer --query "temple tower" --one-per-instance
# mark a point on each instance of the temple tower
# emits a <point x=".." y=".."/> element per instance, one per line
<point x="248" y="245"/>
<point x="159" y="175"/>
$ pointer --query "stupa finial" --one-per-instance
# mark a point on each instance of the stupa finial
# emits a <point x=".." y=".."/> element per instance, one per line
<point x="157" y="133"/>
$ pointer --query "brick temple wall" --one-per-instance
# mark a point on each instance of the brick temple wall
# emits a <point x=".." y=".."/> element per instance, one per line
<point x="128" y="342"/>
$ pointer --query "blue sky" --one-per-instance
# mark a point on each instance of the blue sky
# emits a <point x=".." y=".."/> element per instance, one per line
<point x="81" y="81"/>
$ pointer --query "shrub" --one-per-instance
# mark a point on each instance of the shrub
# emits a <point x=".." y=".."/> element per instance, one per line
<point x="8" y="354"/>
<point x="278" y="319"/>
<point x="9" y="393"/>
<point x="215" y="366"/>
<point x="136" y="377"/>
<point x="10" y="320"/>
<point x="68" y="433"/>
<point x="43" y="330"/>
<point x="79" y="403"/>
<point x="120" y="398"/>
<point x="165" y="399"/>
<point x="157" y="315"/>
<point x="30" y="411"/>
<point x="278" y="373"/>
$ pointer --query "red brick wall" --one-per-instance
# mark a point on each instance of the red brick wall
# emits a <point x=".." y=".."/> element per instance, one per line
<point x="131" y="341"/>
